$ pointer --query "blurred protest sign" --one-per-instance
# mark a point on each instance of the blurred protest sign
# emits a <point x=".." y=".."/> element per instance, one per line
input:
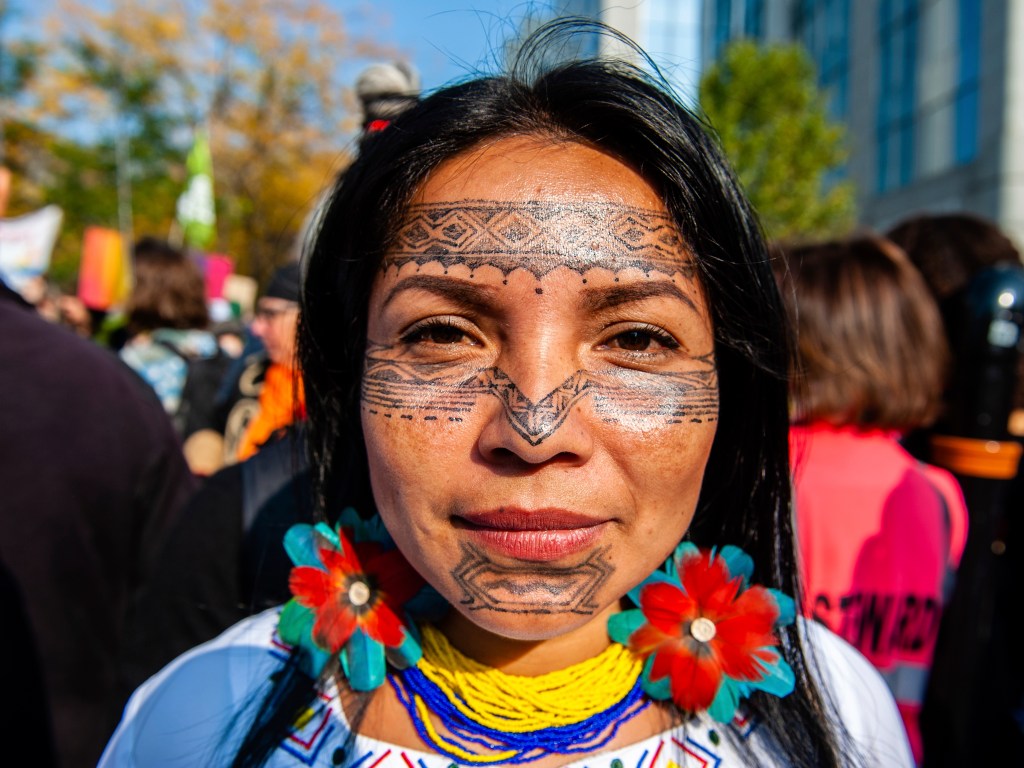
<point x="5" y="189"/>
<point x="215" y="267"/>
<point x="26" y="244"/>
<point x="104" y="277"/>
<point x="195" y="209"/>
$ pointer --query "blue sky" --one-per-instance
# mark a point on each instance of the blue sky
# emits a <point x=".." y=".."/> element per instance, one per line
<point x="444" y="39"/>
<point x="450" y="39"/>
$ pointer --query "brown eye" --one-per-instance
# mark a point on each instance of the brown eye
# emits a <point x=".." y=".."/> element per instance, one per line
<point x="440" y="333"/>
<point x="644" y="339"/>
<point x="633" y="341"/>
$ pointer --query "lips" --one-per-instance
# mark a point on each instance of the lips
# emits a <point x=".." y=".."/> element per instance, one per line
<point x="537" y="535"/>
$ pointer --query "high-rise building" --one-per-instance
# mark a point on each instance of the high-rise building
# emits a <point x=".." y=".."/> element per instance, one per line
<point x="932" y="92"/>
<point x="667" y="30"/>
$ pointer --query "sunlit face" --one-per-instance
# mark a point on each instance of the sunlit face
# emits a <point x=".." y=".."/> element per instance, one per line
<point x="275" y="324"/>
<point x="540" y="393"/>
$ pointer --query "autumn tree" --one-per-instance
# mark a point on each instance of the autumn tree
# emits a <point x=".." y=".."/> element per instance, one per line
<point x="19" y="61"/>
<point x="263" y="77"/>
<point x="773" y="125"/>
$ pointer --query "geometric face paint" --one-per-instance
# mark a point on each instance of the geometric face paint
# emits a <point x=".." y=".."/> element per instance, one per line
<point x="537" y="237"/>
<point x="411" y="391"/>
<point x="539" y="394"/>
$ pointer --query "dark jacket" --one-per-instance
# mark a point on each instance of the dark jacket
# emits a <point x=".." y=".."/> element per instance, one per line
<point x="225" y="559"/>
<point x="92" y="478"/>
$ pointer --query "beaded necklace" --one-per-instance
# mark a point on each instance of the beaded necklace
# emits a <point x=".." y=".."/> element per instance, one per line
<point x="516" y="718"/>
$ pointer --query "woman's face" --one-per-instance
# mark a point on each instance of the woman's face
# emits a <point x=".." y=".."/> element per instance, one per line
<point x="540" y="393"/>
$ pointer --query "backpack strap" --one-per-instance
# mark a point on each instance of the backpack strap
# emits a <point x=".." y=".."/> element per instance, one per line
<point x="204" y="377"/>
<point x="180" y="416"/>
<point x="168" y="345"/>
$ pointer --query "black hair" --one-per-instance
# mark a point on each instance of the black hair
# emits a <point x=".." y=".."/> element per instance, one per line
<point x="951" y="248"/>
<point x="619" y="109"/>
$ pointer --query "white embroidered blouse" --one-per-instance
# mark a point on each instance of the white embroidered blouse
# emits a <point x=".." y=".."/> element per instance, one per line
<point x="193" y="713"/>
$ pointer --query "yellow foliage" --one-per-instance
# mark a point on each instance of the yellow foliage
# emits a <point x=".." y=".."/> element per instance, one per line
<point x="263" y="76"/>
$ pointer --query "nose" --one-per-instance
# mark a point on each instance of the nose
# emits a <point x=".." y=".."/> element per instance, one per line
<point x="550" y="424"/>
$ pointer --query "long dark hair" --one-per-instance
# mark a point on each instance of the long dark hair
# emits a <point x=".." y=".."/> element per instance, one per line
<point x="619" y="108"/>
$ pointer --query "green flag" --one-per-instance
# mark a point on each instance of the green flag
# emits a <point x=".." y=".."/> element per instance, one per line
<point x="196" y="214"/>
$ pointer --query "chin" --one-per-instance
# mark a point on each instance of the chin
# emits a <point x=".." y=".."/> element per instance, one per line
<point x="527" y="627"/>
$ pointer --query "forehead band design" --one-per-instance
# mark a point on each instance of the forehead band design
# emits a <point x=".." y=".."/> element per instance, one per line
<point x="539" y="236"/>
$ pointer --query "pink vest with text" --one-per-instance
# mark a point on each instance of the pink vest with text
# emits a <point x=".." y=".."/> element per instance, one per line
<point x="880" y="536"/>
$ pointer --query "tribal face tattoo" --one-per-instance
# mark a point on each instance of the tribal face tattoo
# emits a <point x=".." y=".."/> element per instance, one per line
<point x="537" y="237"/>
<point x="540" y="393"/>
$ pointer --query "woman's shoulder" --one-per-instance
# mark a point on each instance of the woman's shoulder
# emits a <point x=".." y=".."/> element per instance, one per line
<point x="858" y="695"/>
<point x="193" y="710"/>
<point x="141" y="351"/>
<point x="949" y="490"/>
<point x="191" y="342"/>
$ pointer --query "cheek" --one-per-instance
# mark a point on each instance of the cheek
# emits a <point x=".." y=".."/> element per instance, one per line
<point x="414" y="474"/>
<point x="663" y="471"/>
<point x="661" y="429"/>
<point x="411" y="456"/>
<point x="665" y="468"/>
<point x="672" y="417"/>
<point x="397" y="476"/>
<point x="642" y="400"/>
<point x="418" y="429"/>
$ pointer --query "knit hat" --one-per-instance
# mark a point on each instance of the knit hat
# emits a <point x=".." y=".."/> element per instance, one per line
<point x="284" y="283"/>
<point x="385" y="91"/>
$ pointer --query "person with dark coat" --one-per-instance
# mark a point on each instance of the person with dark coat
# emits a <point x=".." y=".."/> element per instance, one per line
<point x="24" y="718"/>
<point x="224" y="559"/>
<point x="93" y="476"/>
<point x="973" y="708"/>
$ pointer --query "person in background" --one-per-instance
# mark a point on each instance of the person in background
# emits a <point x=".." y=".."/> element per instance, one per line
<point x="281" y="399"/>
<point x="224" y="561"/>
<point x="385" y="90"/>
<point x="245" y="508"/>
<point x="974" y="707"/>
<point x="25" y="717"/>
<point x="880" y="533"/>
<point x="93" y="478"/>
<point x="169" y="343"/>
<point x="950" y="250"/>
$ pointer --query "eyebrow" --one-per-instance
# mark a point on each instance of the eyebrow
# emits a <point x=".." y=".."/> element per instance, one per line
<point x="598" y="299"/>
<point x="466" y="294"/>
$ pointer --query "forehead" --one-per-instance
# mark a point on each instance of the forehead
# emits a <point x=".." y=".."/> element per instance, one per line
<point x="540" y="203"/>
<point x="535" y="168"/>
<point x="275" y="302"/>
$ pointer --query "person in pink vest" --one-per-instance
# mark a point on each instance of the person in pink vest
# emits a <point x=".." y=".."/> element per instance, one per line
<point x="880" y="534"/>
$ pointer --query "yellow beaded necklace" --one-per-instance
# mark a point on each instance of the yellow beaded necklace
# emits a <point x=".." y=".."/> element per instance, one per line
<point x="518" y="717"/>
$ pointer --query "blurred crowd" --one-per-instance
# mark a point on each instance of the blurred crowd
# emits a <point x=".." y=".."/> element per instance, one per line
<point x="153" y="459"/>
